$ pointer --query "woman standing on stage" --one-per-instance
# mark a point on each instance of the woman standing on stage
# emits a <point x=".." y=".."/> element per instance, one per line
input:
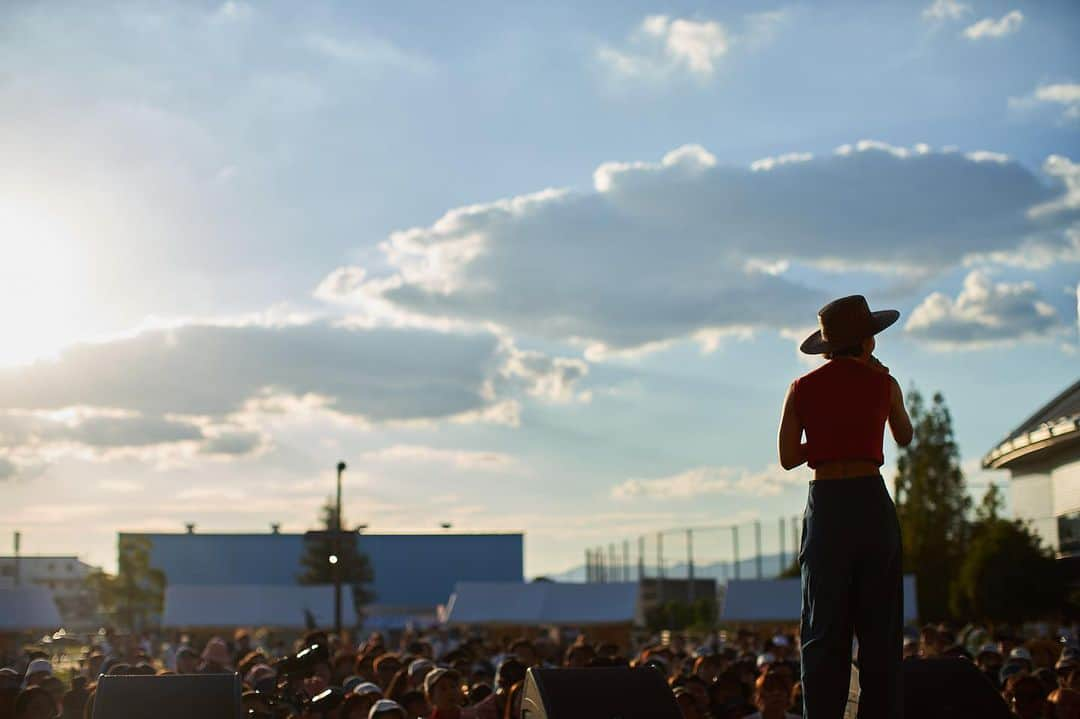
<point x="850" y="553"/>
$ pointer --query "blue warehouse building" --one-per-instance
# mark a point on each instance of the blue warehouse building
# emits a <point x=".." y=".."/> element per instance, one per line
<point x="413" y="573"/>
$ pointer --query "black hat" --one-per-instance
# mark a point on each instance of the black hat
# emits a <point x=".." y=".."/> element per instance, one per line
<point x="846" y="322"/>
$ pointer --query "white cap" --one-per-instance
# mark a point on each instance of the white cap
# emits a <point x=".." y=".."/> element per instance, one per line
<point x="1020" y="653"/>
<point x="421" y="667"/>
<point x="386" y="705"/>
<point x="766" y="658"/>
<point x="364" y="688"/>
<point x="781" y="641"/>
<point x="432" y="678"/>
<point x="39" y="665"/>
<point x="35" y="667"/>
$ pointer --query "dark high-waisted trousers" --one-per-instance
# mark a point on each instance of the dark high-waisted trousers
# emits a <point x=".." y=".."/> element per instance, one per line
<point x="850" y="561"/>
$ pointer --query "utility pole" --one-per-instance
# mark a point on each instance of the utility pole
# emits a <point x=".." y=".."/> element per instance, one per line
<point x="660" y="566"/>
<point x="18" y="543"/>
<point x="690" y="565"/>
<point x="335" y="558"/>
<point x="795" y="543"/>
<point x="757" y="547"/>
<point x="735" y="547"/>
<point x="783" y="557"/>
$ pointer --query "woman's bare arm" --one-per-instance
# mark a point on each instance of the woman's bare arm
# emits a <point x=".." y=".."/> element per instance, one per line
<point x="899" y="422"/>
<point x="789" y="440"/>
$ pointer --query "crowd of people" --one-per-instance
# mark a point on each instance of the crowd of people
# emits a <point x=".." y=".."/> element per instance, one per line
<point x="441" y="675"/>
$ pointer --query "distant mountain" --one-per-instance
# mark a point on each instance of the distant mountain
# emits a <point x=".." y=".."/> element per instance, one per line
<point x="720" y="571"/>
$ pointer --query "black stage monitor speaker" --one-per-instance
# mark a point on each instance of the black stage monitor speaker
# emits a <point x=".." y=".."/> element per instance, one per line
<point x="597" y="693"/>
<point x="948" y="688"/>
<point x="173" y="696"/>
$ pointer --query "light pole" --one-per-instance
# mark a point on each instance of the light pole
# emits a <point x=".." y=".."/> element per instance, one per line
<point x="336" y="565"/>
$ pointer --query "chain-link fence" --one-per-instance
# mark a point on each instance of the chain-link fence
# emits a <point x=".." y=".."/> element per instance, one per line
<point x="757" y="549"/>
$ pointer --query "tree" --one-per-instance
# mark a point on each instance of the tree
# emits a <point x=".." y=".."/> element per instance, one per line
<point x="354" y="566"/>
<point x="701" y="615"/>
<point x="989" y="508"/>
<point x="931" y="504"/>
<point x="1007" y="575"/>
<point x="135" y="594"/>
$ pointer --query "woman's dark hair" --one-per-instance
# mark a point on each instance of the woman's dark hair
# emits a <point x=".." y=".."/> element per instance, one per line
<point x="514" y="693"/>
<point x="398" y="685"/>
<point x="7" y="701"/>
<point x="28" y="696"/>
<point x="411" y="697"/>
<point x="351" y="701"/>
<point x="74" y="701"/>
<point x="479" y="692"/>
<point x="88" y="708"/>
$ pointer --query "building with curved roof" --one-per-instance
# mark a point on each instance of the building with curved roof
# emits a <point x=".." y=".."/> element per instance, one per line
<point x="1043" y="457"/>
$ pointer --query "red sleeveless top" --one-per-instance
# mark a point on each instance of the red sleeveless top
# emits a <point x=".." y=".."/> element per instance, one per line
<point x="843" y="406"/>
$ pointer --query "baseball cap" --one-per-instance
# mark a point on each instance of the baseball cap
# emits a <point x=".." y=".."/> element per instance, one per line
<point x="766" y="658"/>
<point x="420" y="667"/>
<point x="1008" y="670"/>
<point x="39" y="665"/>
<point x="1020" y="653"/>
<point x="435" y="676"/>
<point x="383" y="707"/>
<point x="366" y="688"/>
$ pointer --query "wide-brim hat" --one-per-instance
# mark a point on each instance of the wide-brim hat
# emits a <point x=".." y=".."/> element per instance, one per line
<point x="846" y="322"/>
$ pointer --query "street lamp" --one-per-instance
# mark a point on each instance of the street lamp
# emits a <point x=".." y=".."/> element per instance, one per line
<point x="337" y="553"/>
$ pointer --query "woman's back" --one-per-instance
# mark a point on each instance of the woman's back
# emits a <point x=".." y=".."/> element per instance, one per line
<point x="843" y="406"/>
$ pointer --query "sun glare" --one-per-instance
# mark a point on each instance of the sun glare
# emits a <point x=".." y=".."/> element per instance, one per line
<point x="41" y="284"/>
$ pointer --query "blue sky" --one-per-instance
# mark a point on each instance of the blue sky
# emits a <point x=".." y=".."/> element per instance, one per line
<point x="539" y="268"/>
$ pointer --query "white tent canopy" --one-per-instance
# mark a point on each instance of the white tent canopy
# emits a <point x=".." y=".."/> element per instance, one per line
<point x="543" y="603"/>
<point x="25" y="608"/>
<point x="282" y="606"/>
<point x="780" y="600"/>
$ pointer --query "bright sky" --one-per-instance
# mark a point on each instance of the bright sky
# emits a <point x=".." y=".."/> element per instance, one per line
<point x="541" y="268"/>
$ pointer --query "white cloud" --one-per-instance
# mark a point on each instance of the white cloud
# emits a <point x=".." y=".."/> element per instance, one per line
<point x="663" y="251"/>
<point x="1068" y="173"/>
<point x="364" y="51"/>
<point x="167" y="396"/>
<point x="768" y="163"/>
<point x="1061" y="93"/>
<point x="662" y="45"/>
<point x="233" y="442"/>
<point x="458" y="458"/>
<point x="1065" y="95"/>
<point x="991" y="28"/>
<point x="710" y="480"/>
<point x="941" y="10"/>
<point x="1078" y="310"/>
<point x="549" y="378"/>
<point x="983" y="313"/>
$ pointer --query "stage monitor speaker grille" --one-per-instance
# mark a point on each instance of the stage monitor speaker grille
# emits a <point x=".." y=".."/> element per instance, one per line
<point x="597" y="693"/>
<point x="173" y="696"/>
